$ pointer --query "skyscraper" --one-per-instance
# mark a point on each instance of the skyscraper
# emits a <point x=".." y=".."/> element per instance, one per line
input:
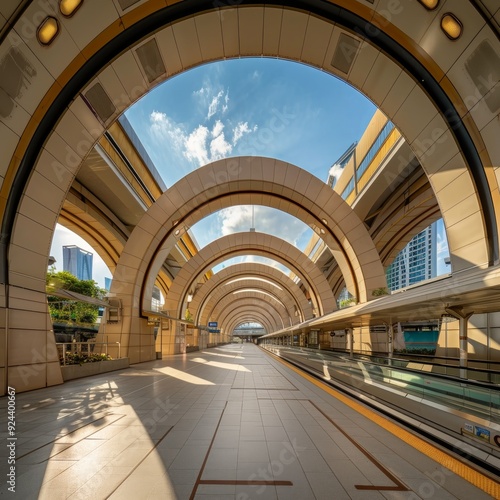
<point x="78" y="262"/>
<point x="416" y="262"/>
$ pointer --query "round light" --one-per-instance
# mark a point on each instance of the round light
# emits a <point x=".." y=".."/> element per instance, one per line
<point x="451" y="26"/>
<point x="429" y="4"/>
<point x="48" y="30"/>
<point x="69" y="7"/>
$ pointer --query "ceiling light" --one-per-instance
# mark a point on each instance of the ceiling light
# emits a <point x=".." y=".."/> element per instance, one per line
<point x="429" y="4"/>
<point x="69" y="7"/>
<point x="48" y="30"/>
<point x="451" y="26"/>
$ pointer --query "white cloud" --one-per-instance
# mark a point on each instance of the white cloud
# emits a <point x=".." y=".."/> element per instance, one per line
<point x="203" y="144"/>
<point x="335" y="172"/>
<point x="213" y="107"/>
<point x="219" y="148"/>
<point x="240" y="130"/>
<point x="265" y="219"/>
<point x="163" y="128"/>
<point x="195" y="145"/>
<point x="217" y="129"/>
<point x="235" y="219"/>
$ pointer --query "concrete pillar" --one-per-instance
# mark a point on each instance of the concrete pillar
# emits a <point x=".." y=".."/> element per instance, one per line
<point x="349" y="333"/>
<point x="390" y="342"/>
<point x="463" y="319"/>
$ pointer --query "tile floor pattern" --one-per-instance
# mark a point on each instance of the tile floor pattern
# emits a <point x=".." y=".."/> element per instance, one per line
<point x="225" y="423"/>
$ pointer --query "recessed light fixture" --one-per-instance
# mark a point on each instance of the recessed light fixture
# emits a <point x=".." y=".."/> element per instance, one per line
<point x="48" y="30"/>
<point x="451" y="26"/>
<point x="69" y="7"/>
<point x="429" y="4"/>
<point x="177" y="231"/>
<point x="325" y="222"/>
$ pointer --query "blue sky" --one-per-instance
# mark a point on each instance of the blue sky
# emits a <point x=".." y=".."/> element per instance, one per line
<point x="265" y="107"/>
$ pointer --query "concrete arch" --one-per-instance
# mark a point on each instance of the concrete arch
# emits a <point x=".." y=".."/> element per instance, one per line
<point x="237" y="289"/>
<point x="253" y="270"/>
<point x="251" y="243"/>
<point x="448" y="121"/>
<point x="245" y="316"/>
<point x="428" y="132"/>
<point x="248" y="180"/>
<point x="252" y="313"/>
<point x="252" y="301"/>
<point x="242" y="321"/>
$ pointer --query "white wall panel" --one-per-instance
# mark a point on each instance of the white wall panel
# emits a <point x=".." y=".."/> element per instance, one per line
<point x="167" y="46"/>
<point x="187" y="42"/>
<point x="85" y="25"/>
<point x="210" y="35"/>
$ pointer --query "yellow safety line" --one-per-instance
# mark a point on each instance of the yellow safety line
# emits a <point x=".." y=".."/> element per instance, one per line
<point x="468" y="473"/>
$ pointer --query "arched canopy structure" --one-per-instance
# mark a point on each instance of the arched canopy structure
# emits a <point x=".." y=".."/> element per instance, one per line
<point x="256" y="272"/>
<point x="69" y="92"/>
<point x="236" y="292"/>
<point x="251" y="243"/>
<point x="251" y="301"/>
<point x="244" y="180"/>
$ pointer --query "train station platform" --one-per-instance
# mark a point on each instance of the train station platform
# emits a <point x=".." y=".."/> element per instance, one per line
<point x="226" y="423"/>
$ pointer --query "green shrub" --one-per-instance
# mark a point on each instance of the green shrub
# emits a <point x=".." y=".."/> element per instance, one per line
<point x="78" y="358"/>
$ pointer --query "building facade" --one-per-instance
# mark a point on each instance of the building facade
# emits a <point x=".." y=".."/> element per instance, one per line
<point x="416" y="262"/>
<point x="78" y="262"/>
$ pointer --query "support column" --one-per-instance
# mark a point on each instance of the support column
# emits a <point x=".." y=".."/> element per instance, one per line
<point x="390" y="341"/>
<point x="349" y="333"/>
<point x="463" y="318"/>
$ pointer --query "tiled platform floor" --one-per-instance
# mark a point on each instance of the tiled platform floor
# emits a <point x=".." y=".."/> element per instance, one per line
<point x="230" y="422"/>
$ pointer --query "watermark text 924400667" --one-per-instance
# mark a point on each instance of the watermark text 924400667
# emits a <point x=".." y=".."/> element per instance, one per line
<point x="11" y="440"/>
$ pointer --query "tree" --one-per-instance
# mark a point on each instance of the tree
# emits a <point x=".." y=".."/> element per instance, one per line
<point x="67" y="310"/>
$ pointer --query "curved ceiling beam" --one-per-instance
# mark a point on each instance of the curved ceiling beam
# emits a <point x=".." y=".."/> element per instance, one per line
<point x="242" y="316"/>
<point x="236" y="289"/>
<point x="257" y="271"/>
<point x="252" y="313"/>
<point x="422" y="91"/>
<point x="443" y="108"/>
<point x="247" y="299"/>
<point x="251" y="243"/>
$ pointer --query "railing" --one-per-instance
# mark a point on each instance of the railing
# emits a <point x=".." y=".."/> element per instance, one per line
<point x="77" y="348"/>
<point x="474" y="397"/>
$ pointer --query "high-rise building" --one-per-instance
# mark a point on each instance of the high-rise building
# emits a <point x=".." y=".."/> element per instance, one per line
<point x="78" y="262"/>
<point x="416" y="262"/>
<point x="107" y="283"/>
<point x="337" y="168"/>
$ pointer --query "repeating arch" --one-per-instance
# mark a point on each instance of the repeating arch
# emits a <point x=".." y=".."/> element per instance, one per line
<point x="254" y="270"/>
<point x="247" y="180"/>
<point x="441" y="149"/>
<point x="251" y="243"/>
<point x="235" y="291"/>
<point x="417" y="83"/>
<point x="252" y="300"/>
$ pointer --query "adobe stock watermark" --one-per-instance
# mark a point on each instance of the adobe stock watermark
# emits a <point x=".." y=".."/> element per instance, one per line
<point x="275" y="469"/>
<point x="439" y="477"/>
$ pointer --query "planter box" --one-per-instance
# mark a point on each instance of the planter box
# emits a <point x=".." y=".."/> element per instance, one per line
<point x="70" y="372"/>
